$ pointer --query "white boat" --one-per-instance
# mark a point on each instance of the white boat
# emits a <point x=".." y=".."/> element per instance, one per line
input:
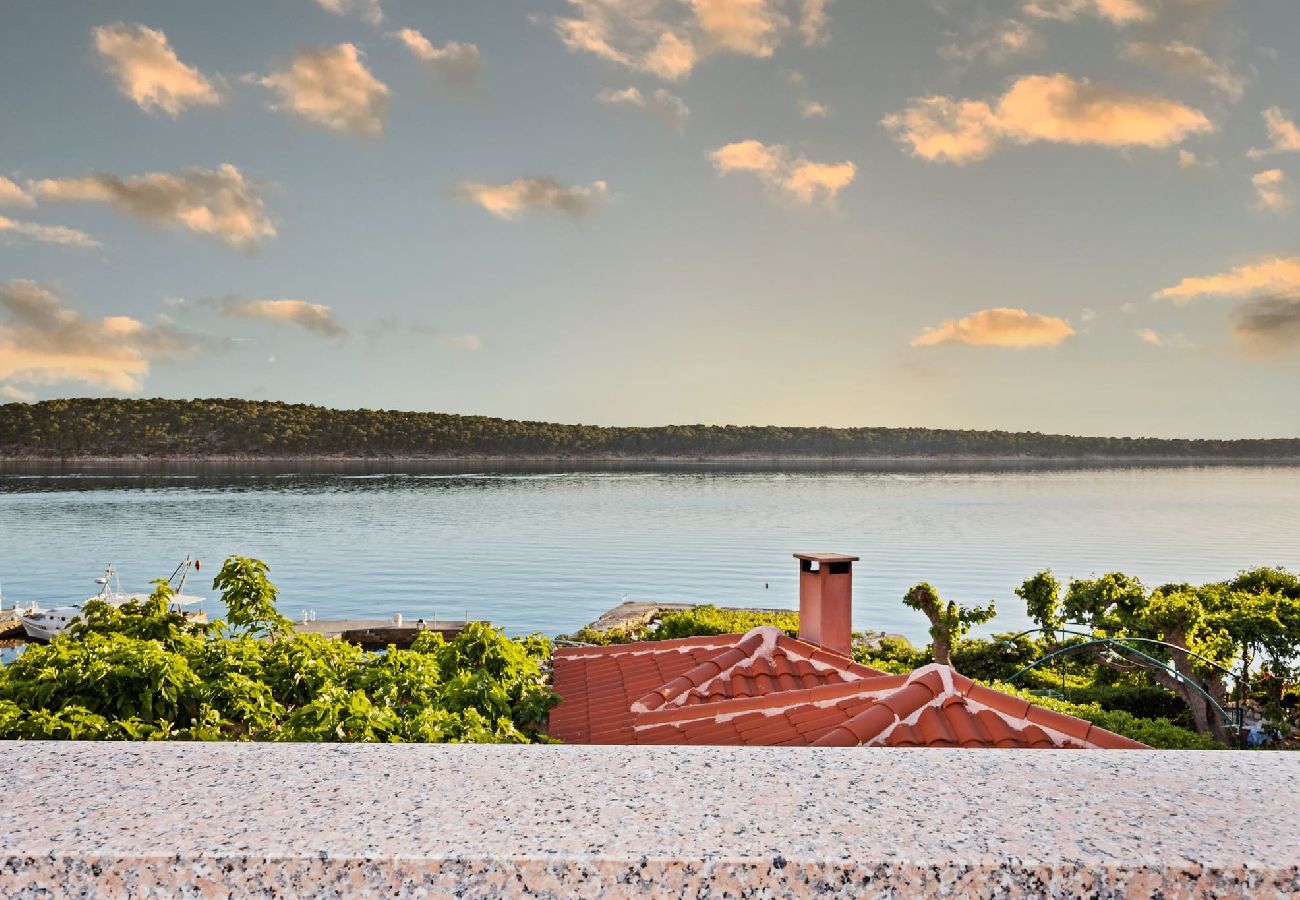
<point x="44" y="624"/>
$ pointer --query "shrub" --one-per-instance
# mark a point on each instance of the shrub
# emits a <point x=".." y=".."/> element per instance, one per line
<point x="138" y="672"/>
<point x="706" y="620"/>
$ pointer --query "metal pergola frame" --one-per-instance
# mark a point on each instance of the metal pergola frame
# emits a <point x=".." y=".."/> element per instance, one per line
<point x="1120" y="641"/>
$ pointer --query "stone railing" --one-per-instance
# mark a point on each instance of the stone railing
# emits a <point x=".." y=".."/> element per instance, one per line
<point x="309" y="820"/>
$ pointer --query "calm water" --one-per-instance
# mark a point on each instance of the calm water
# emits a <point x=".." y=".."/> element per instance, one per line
<point x="549" y="551"/>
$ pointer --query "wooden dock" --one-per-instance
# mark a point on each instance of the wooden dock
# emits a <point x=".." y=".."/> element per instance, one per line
<point x="10" y="627"/>
<point x="375" y="634"/>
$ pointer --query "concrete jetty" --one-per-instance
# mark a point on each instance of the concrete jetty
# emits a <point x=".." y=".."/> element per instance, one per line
<point x="632" y="615"/>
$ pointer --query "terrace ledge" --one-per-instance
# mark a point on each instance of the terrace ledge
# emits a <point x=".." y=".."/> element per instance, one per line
<point x="200" y="820"/>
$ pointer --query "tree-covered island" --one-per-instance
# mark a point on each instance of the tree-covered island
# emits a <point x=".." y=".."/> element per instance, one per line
<point x="215" y="428"/>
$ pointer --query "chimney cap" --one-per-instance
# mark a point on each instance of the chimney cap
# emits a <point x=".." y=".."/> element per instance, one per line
<point x="826" y="557"/>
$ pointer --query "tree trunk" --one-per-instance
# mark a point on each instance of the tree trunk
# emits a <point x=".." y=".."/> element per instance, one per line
<point x="941" y="647"/>
<point x="1204" y="716"/>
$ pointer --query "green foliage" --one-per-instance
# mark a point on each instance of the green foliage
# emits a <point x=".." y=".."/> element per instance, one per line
<point x="705" y="620"/>
<point x="1142" y="700"/>
<point x="949" y="622"/>
<point x="1159" y="733"/>
<point x="588" y="635"/>
<point x="996" y="659"/>
<point x="891" y="654"/>
<point x="250" y="597"/>
<point x="140" y="672"/>
<point x="1204" y="631"/>
<point x="159" y="427"/>
<point x="1042" y="599"/>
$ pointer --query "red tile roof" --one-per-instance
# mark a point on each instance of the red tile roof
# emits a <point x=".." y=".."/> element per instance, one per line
<point x="766" y="688"/>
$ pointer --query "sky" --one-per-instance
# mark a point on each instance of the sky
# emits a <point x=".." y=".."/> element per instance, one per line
<point x="1047" y="215"/>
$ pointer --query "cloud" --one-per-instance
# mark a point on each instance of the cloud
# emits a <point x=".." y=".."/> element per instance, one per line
<point x="9" y="392"/>
<point x="629" y="96"/>
<point x="218" y="202"/>
<point x="1277" y="275"/>
<point x="811" y="109"/>
<point x="947" y="130"/>
<point x="1042" y="108"/>
<point x="668" y="38"/>
<point x="314" y="317"/>
<point x="13" y="195"/>
<point x="44" y="342"/>
<point x="523" y="195"/>
<point x="799" y="177"/>
<point x="668" y="108"/>
<point x="814" y="22"/>
<point x="1171" y="342"/>
<point x="1284" y="134"/>
<point x="1117" y="12"/>
<point x="1002" y="327"/>
<point x="994" y="43"/>
<point x="747" y="27"/>
<point x="470" y="343"/>
<point x="369" y="11"/>
<point x="148" y="71"/>
<point x="458" y="67"/>
<point x="331" y="87"/>
<point x="1272" y="191"/>
<point x="1189" y="160"/>
<point x="47" y="234"/>
<point x="1182" y="60"/>
<point x="1269" y="325"/>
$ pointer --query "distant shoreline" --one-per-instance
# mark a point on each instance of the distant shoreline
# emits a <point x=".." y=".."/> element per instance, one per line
<point x="232" y="432"/>
<point x="741" y="460"/>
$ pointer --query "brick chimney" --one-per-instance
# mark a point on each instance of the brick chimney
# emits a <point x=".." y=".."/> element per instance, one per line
<point x="826" y="600"/>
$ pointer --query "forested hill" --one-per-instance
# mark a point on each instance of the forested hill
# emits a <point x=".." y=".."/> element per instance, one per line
<point x="199" y="428"/>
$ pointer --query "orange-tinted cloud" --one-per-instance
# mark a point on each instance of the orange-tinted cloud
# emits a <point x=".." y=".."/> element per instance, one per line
<point x="748" y="27"/>
<point x="1002" y="327"/>
<point x="148" y="71"/>
<point x="1277" y="275"/>
<point x="457" y="66"/>
<point x="47" y="234"/>
<point x="668" y="108"/>
<point x="313" y="317"/>
<point x="1043" y="108"/>
<point x="1117" y="12"/>
<point x="331" y="87"/>
<point x="1283" y="134"/>
<point x="800" y="178"/>
<point x="668" y="38"/>
<point x="814" y="22"/>
<point x="1272" y="191"/>
<point x="1183" y="60"/>
<point x="44" y="342"/>
<point x="511" y="199"/>
<point x="13" y="195"/>
<point x="367" y="10"/>
<point x="1170" y="342"/>
<point x="994" y="43"/>
<point x="218" y="202"/>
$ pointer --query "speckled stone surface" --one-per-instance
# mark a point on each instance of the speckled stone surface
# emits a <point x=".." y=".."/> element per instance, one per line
<point x="223" y="820"/>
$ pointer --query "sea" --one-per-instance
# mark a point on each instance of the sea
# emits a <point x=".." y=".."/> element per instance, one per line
<point x="548" y="548"/>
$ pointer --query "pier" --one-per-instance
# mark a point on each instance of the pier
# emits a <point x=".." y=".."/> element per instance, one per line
<point x="375" y="634"/>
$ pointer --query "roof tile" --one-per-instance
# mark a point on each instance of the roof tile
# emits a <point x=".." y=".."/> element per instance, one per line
<point x="766" y="688"/>
<point x="1067" y="725"/>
